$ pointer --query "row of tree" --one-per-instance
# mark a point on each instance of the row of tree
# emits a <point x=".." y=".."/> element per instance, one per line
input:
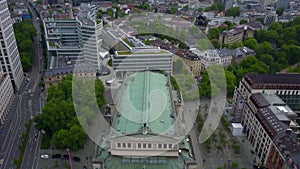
<point x="25" y="33"/>
<point x="276" y="49"/>
<point x="58" y="119"/>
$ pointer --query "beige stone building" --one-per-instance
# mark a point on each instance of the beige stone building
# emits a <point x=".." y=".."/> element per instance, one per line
<point x="6" y="95"/>
<point x="237" y="34"/>
<point x="55" y="75"/>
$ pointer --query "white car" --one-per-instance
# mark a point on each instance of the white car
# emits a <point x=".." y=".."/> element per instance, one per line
<point x="44" y="156"/>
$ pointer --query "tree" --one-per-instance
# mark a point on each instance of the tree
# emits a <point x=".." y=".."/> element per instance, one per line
<point x="292" y="53"/>
<point x="267" y="59"/>
<point x="58" y="118"/>
<point x="236" y="45"/>
<point x="214" y="33"/>
<point x="233" y="11"/>
<point x="230" y="83"/>
<point x="216" y="43"/>
<point x="243" y="21"/>
<point x="204" y="44"/>
<point x="234" y="164"/>
<point x="251" y="43"/>
<point x="178" y="65"/>
<point x="279" y="11"/>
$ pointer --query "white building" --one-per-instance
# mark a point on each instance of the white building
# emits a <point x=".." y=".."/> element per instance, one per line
<point x="132" y="55"/>
<point x="89" y="31"/>
<point x="214" y="57"/>
<point x="77" y="39"/>
<point x="6" y="95"/>
<point x="9" y="54"/>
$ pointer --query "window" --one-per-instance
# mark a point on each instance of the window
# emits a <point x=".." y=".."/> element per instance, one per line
<point x="144" y="145"/>
<point x="139" y="145"/>
<point x="165" y="145"/>
<point x="149" y="145"/>
<point x="159" y="145"/>
<point x="124" y="145"/>
<point x="119" y="145"/>
<point x="129" y="145"/>
<point x="170" y="145"/>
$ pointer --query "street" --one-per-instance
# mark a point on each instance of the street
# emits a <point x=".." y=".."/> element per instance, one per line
<point x="24" y="107"/>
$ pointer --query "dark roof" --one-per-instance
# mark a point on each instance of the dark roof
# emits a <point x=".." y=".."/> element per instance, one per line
<point x="289" y="145"/>
<point x="259" y="101"/>
<point x="270" y="122"/>
<point x="84" y="68"/>
<point x="280" y="78"/>
<point x="225" y="52"/>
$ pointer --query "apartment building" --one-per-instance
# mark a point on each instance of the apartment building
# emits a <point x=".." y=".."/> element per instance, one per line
<point x="78" y="39"/>
<point x="237" y="34"/>
<point x="6" y="95"/>
<point x="214" y="57"/>
<point x="286" y="86"/>
<point x="265" y="124"/>
<point x="9" y="54"/>
<point x="284" y="153"/>
<point x="132" y="55"/>
<point x="194" y="63"/>
<point x="143" y="134"/>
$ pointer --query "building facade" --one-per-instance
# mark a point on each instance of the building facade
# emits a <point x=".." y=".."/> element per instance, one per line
<point x="9" y="54"/>
<point x="77" y="39"/>
<point x="237" y="34"/>
<point x="286" y="86"/>
<point x="6" y="95"/>
<point x="265" y="123"/>
<point x="145" y="135"/>
<point x="132" y="55"/>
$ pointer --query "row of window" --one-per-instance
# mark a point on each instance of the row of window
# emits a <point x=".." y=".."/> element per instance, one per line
<point x="144" y="145"/>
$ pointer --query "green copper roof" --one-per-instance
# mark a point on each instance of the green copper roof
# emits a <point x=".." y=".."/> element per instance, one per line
<point x="145" y="105"/>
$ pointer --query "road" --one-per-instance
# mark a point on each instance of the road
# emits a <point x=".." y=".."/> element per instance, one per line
<point x="24" y="107"/>
<point x="37" y="99"/>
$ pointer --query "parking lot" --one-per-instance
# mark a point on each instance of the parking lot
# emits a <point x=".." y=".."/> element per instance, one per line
<point x="53" y="158"/>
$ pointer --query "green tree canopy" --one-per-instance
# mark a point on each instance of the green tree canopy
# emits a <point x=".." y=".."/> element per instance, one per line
<point x="233" y="11"/>
<point x="58" y="118"/>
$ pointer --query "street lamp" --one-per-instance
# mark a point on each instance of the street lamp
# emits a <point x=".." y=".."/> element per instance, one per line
<point x="70" y="160"/>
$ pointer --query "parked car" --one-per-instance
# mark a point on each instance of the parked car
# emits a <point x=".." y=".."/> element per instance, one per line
<point x="44" y="156"/>
<point x="77" y="159"/>
<point x="56" y="156"/>
<point x="66" y="157"/>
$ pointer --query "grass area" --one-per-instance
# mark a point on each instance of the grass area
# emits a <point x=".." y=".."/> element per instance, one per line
<point x="124" y="52"/>
<point x="128" y="43"/>
<point x="110" y="63"/>
<point x="174" y="83"/>
<point x="22" y="146"/>
<point x="45" y="144"/>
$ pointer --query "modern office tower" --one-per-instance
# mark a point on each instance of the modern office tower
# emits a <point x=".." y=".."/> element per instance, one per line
<point x="286" y="86"/>
<point x="6" y="95"/>
<point x="9" y="54"/>
<point x="89" y="32"/>
<point x="76" y="39"/>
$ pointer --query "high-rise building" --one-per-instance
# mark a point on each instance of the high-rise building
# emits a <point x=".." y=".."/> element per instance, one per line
<point x="6" y="95"/>
<point x="9" y="54"/>
<point x="76" y="39"/>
